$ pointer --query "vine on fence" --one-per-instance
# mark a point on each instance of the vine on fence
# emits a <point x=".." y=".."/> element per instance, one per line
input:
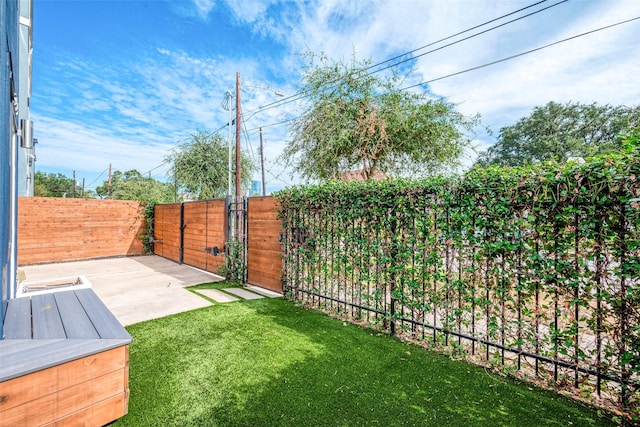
<point x="535" y="269"/>
<point x="147" y="232"/>
<point x="234" y="267"/>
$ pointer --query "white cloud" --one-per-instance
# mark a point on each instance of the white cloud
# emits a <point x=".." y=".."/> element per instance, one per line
<point x="88" y="148"/>
<point x="204" y="7"/>
<point x="596" y="67"/>
<point x="135" y="109"/>
<point x="249" y="11"/>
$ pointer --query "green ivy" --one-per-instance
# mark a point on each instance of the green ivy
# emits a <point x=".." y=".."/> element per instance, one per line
<point x="234" y="267"/>
<point x="147" y="233"/>
<point x="541" y="260"/>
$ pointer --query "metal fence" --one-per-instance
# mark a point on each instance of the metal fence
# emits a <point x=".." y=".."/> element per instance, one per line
<point x="547" y="291"/>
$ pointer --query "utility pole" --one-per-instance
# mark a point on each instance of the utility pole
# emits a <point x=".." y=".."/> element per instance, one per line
<point x="83" y="188"/>
<point x="239" y="203"/>
<point x="264" y="190"/>
<point x="229" y="96"/>
<point x="238" y="133"/>
<point x="175" y="186"/>
<point x="109" y="186"/>
<point x="74" y="184"/>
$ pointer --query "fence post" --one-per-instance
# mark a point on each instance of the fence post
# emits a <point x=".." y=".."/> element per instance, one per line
<point x="182" y="226"/>
<point x="393" y="254"/>
<point x="245" y="239"/>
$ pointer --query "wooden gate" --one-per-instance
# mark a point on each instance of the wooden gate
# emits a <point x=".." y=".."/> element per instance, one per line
<point x="204" y="231"/>
<point x="166" y="231"/>
<point x="264" y="253"/>
<point x="193" y="232"/>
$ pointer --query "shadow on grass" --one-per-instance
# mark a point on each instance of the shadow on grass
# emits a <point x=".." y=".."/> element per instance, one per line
<point x="270" y="363"/>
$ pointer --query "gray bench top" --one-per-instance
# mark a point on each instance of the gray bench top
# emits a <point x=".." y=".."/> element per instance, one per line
<point x="47" y="330"/>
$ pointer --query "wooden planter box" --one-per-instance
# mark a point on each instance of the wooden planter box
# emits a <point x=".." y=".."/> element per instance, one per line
<point x="64" y="360"/>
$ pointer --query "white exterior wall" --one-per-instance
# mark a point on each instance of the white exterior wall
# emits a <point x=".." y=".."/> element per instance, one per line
<point x="26" y="156"/>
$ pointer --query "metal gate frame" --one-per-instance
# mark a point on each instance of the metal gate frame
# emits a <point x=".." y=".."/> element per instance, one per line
<point x="237" y="228"/>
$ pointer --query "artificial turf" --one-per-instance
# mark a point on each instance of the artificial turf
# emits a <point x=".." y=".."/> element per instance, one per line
<point x="268" y="362"/>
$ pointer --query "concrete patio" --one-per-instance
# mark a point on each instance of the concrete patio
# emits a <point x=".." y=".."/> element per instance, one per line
<point x="135" y="289"/>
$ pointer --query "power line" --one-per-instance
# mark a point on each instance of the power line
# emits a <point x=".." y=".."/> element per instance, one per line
<point x="154" y="168"/>
<point x="461" y="32"/>
<point x="273" y="124"/>
<point x="466" y="38"/>
<point x="161" y="174"/>
<point x="521" y="53"/>
<point x="277" y="177"/>
<point x="94" y="181"/>
<point x="246" y="134"/>
<point x="492" y="62"/>
<point x="302" y="94"/>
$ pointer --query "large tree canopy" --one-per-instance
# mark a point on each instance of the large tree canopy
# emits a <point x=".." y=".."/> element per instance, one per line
<point x="131" y="185"/>
<point x="200" y="166"/>
<point x="358" y="120"/>
<point x="559" y="131"/>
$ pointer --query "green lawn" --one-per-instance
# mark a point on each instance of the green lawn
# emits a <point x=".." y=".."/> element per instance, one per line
<point x="269" y="363"/>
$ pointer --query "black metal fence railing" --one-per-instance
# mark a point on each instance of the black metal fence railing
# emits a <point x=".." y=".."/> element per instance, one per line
<point x="545" y="290"/>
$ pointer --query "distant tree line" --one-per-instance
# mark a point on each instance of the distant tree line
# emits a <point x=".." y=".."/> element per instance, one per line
<point x="129" y="185"/>
<point x="55" y="185"/>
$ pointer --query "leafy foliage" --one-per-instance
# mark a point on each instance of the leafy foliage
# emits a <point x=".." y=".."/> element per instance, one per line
<point x="148" y="210"/>
<point x="559" y="131"/>
<point x="359" y="120"/>
<point x="542" y="260"/>
<point x="55" y="185"/>
<point x="131" y="185"/>
<point x="200" y="166"/>
<point x="234" y="268"/>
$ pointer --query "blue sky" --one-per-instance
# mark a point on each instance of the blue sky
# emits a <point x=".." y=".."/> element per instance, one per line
<point x="124" y="82"/>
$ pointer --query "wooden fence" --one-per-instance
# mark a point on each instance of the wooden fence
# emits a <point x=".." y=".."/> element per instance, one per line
<point x="196" y="234"/>
<point x="59" y="229"/>
<point x="193" y="233"/>
<point x="264" y="252"/>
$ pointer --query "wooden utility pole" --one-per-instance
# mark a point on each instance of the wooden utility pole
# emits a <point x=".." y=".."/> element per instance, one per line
<point x="238" y="132"/>
<point x="264" y="190"/>
<point x="109" y="186"/>
<point x="239" y="204"/>
<point x="74" y="184"/>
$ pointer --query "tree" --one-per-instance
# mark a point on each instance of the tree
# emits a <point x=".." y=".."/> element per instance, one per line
<point x="358" y="120"/>
<point x="54" y="185"/>
<point x="200" y="166"/>
<point x="559" y="131"/>
<point x="131" y="185"/>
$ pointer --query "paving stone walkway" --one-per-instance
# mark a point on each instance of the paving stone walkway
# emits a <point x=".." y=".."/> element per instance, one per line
<point x="249" y="292"/>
